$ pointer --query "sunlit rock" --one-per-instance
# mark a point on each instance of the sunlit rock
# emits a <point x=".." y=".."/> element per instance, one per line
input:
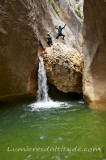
<point x="64" y="67"/>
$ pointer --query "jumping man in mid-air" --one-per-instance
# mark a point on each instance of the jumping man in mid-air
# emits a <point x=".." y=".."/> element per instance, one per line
<point x="59" y="29"/>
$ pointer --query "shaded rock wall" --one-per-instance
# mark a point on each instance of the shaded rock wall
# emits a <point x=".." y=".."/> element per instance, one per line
<point x="58" y="95"/>
<point x="18" y="49"/>
<point x="95" y="53"/>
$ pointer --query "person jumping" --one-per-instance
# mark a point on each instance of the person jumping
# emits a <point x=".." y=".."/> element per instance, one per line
<point x="59" y="29"/>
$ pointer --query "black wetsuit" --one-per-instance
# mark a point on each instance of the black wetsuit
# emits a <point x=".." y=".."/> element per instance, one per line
<point x="49" y="40"/>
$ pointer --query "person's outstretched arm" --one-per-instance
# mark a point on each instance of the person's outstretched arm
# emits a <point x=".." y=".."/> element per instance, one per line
<point x="64" y="26"/>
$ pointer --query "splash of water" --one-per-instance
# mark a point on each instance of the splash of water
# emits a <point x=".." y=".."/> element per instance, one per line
<point x="48" y="105"/>
<point x="42" y="93"/>
<point x="43" y="99"/>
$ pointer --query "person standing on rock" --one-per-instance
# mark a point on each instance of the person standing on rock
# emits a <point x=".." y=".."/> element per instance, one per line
<point x="49" y="40"/>
<point x="59" y="29"/>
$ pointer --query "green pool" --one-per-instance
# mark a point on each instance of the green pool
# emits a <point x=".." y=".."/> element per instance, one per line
<point x="68" y="132"/>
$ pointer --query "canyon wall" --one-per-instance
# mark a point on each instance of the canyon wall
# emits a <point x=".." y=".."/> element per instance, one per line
<point x="95" y="53"/>
<point x="18" y="49"/>
<point x="22" y="23"/>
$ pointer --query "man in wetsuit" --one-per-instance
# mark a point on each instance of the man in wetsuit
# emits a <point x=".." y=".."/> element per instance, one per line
<point x="49" y="40"/>
<point x="59" y="29"/>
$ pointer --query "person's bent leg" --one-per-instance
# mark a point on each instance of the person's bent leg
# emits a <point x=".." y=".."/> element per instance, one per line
<point x="51" y="42"/>
<point x="57" y="36"/>
<point x="63" y="36"/>
<point x="48" y="43"/>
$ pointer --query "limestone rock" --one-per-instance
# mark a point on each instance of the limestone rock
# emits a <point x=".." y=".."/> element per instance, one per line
<point x="64" y="67"/>
<point x="18" y="49"/>
<point x="22" y="23"/>
<point x="95" y="53"/>
<point x="67" y="14"/>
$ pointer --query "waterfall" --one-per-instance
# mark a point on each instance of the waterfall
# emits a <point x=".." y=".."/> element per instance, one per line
<point x="42" y="93"/>
<point x="43" y="100"/>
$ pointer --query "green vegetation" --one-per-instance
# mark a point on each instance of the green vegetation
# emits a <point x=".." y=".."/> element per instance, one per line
<point x="77" y="11"/>
<point x="54" y="6"/>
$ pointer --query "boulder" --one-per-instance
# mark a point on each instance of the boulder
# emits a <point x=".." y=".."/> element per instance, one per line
<point x="64" y="68"/>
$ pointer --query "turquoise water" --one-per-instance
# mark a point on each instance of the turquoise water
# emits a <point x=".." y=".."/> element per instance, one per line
<point x="71" y="133"/>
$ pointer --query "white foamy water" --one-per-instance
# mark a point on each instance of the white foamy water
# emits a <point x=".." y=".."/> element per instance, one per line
<point x="43" y="99"/>
<point x="42" y="94"/>
<point x="47" y="105"/>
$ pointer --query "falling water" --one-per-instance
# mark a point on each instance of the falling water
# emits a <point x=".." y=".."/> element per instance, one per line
<point x="42" y="94"/>
<point x="43" y="100"/>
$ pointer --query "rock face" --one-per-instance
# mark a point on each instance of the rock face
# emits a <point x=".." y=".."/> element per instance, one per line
<point x="95" y="53"/>
<point x="18" y="49"/>
<point x="22" y="23"/>
<point x="65" y="11"/>
<point x="51" y="13"/>
<point x="64" y="68"/>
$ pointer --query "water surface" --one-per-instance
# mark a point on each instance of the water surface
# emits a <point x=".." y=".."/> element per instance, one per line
<point x="65" y="132"/>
